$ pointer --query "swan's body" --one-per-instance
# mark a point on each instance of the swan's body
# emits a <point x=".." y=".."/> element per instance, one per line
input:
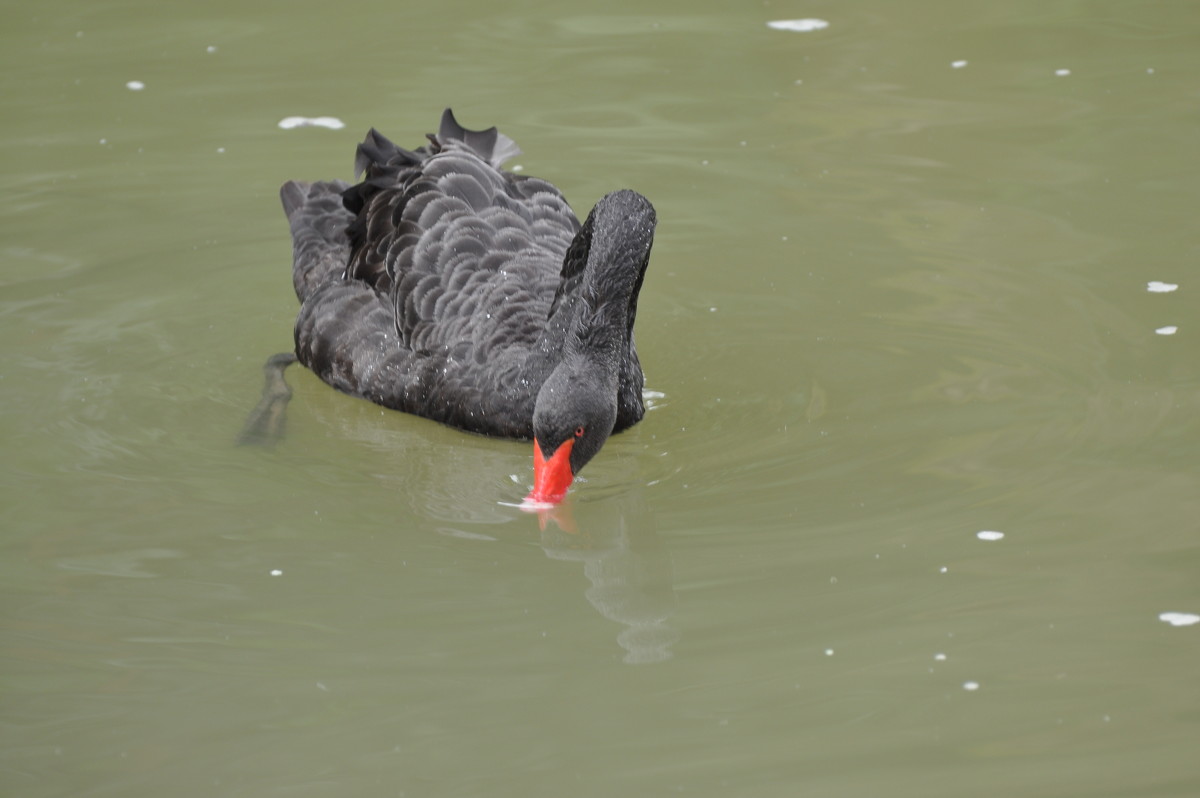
<point x="448" y="288"/>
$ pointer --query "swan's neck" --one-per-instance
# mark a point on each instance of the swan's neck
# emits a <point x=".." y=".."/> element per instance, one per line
<point x="590" y="326"/>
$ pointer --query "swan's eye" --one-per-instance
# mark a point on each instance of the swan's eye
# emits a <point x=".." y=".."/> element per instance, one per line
<point x="579" y="432"/>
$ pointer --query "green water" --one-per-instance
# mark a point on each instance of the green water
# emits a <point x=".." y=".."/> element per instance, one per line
<point x="893" y="302"/>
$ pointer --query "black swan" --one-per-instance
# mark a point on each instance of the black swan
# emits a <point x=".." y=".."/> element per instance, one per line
<point x="443" y="286"/>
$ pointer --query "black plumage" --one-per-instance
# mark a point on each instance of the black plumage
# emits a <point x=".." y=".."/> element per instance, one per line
<point x="443" y="286"/>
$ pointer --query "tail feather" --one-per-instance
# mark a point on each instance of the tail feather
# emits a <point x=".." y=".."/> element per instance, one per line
<point x="320" y="248"/>
<point x="491" y="145"/>
<point x="293" y="194"/>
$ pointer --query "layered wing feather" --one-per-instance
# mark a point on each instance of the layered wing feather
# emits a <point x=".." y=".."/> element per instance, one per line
<point x="448" y="271"/>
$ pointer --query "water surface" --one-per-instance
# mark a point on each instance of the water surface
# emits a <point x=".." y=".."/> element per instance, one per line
<point x="895" y="300"/>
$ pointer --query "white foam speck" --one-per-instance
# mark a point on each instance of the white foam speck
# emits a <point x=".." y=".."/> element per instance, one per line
<point x="989" y="534"/>
<point x="957" y="64"/>
<point x="940" y="657"/>
<point x="829" y="652"/>
<point x="135" y="85"/>
<point x="1170" y="329"/>
<point x="970" y="686"/>
<point x="276" y="572"/>
<point x="1159" y="287"/>
<point x="1179" y="618"/>
<point x="798" y="25"/>
<point x="331" y="122"/>
<point x="943" y="570"/>
<point x="212" y="48"/>
<point x="531" y="506"/>
<point x="1062" y="73"/>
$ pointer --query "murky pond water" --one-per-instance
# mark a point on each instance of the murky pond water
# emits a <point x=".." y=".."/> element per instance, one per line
<point x="925" y="272"/>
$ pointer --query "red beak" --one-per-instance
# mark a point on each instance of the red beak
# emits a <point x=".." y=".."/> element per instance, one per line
<point x="551" y="478"/>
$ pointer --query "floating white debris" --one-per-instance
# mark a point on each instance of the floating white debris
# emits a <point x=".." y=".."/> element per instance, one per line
<point x="940" y="657"/>
<point x="798" y="25"/>
<point x="212" y="48"/>
<point x="1157" y="287"/>
<point x="1062" y="73"/>
<point x="1170" y="329"/>
<point x="135" y="85"/>
<point x="331" y="122"/>
<point x="989" y="534"/>
<point x="957" y="64"/>
<point x="943" y="570"/>
<point x="829" y="652"/>
<point x="970" y="685"/>
<point x="276" y="572"/>
<point x="1179" y="618"/>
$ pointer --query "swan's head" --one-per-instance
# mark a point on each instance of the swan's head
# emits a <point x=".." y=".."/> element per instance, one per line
<point x="573" y="417"/>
